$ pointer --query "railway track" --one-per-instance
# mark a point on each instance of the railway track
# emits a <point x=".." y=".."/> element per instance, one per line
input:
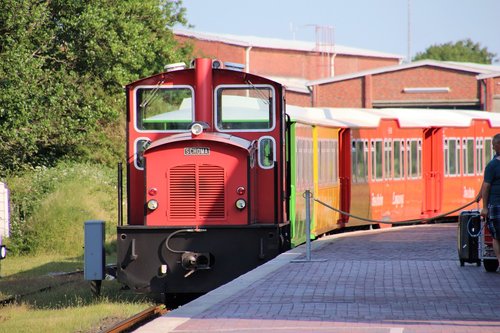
<point x="139" y="319"/>
<point x="17" y="297"/>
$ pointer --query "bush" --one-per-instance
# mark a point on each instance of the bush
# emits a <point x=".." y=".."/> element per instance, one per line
<point x="49" y="207"/>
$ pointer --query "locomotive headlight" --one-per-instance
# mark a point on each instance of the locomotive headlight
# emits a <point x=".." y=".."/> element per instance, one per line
<point x="240" y="190"/>
<point x="152" y="204"/>
<point x="241" y="204"/>
<point x="197" y="129"/>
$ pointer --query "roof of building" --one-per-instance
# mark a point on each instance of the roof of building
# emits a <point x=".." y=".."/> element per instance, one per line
<point x="479" y="69"/>
<point x="489" y="75"/>
<point x="274" y="43"/>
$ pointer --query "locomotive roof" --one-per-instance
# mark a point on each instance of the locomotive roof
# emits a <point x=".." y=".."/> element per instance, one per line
<point x="406" y="118"/>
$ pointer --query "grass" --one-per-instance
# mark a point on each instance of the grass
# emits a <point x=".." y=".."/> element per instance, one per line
<point x="52" y="205"/>
<point x="68" y="306"/>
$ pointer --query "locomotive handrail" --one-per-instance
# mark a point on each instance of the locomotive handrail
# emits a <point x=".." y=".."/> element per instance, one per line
<point x="413" y="221"/>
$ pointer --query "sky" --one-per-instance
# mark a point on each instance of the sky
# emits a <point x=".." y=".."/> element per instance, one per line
<point x="378" y="25"/>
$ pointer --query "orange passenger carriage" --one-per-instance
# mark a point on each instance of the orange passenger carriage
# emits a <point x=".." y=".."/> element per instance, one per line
<point x="406" y="164"/>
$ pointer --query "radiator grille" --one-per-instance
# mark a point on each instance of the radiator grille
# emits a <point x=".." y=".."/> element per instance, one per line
<point x="183" y="191"/>
<point x="197" y="192"/>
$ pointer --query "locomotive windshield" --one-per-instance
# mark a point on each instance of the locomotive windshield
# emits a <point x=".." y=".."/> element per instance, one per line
<point x="162" y="108"/>
<point x="245" y="108"/>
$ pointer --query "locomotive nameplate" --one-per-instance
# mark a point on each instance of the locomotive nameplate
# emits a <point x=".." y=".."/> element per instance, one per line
<point x="196" y="151"/>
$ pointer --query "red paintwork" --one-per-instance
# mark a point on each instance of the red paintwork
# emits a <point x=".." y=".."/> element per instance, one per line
<point x="223" y="153"/>
<point x="266" y="204"/>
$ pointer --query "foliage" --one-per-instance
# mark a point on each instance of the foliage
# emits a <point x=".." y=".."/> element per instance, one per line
<point x="62" y="67"/>
<point x="49" y="207"/>
<point x="464" y="50"/>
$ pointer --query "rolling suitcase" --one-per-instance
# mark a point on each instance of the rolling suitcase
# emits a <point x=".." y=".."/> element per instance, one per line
<point x="469" y="227"/>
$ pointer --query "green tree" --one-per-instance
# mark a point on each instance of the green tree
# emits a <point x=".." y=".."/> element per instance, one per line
<point x="62" y="67"/>
<point x="464" y="50"/>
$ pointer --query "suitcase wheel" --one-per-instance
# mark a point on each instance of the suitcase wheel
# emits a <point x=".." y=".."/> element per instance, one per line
<point x="490" y="265"/>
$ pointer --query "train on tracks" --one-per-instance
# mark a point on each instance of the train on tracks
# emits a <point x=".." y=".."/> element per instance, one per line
<point x="217" y="165"/>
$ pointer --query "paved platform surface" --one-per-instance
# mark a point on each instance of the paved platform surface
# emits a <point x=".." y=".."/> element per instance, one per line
<point x="397" y="280"/>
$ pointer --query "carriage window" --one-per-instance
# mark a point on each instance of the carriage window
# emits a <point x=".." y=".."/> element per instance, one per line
<point x="308" y="163"/>
<point x="468" y="161"/>
<point x="387" y="159"/>
<point x="245" y="108"/>
<point x="359" y="160"/>
<point x="335" y="162"/>
<point x="451" y="157"/>
<point x="267" y="154"/>
<point x="300" y="163"/>
<point x="488" y="150"/>
<point x="376" y="155"/>
<point x="328" y="163"/>
<point x="479" y="156"/>
<point x="322" y="162"/>
<point x="398" y="159"/>
<point x="415" y="158"/>
<point x="164" y="108"/>
<point x="304" y="163"/>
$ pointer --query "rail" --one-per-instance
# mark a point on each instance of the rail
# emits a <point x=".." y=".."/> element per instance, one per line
<point x="18" y="297"/>
<point x="140" y="318"/>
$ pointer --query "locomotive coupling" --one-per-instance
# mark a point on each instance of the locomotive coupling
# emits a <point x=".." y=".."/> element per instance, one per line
<point x="193" y="261"/>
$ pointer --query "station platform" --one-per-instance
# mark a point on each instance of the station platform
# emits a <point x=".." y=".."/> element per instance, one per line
<point x="395" y="280"/>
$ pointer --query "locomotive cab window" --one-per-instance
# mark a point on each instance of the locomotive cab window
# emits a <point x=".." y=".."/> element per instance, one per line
<point x="140" y="146"/>
<point x="164" y="108"/>
<point x="267" y="152"/>
<point x="245" y="108"/>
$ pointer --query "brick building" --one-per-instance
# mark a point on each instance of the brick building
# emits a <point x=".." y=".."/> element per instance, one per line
<point x="421" y="84"/>
<point x="324" y="74"/>
<point x="292" y="63"/>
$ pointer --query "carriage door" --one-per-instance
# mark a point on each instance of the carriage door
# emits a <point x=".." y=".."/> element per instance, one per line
<point x="432" y="170"/>
<point x="345" y="173"/>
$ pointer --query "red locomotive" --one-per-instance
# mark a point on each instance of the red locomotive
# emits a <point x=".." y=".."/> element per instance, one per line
<point x="206" y="178"/>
